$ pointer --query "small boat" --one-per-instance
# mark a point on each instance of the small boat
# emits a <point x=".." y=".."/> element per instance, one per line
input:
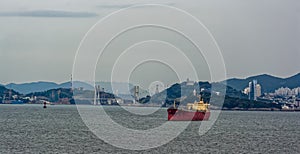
<point x="197" y="111"/>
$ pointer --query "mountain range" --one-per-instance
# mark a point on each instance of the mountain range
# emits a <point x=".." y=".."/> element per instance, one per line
<point x="185" y="93"/>
<point x="25" y="88"/>
<point x="268" y="83"/>
<point x="41" y="86"/>
<point x="5" y="91"/>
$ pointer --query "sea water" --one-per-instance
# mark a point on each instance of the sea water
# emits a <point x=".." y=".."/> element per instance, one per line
<point x="60" y="129"/>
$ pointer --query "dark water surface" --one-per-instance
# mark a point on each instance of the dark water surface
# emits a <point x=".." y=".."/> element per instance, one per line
<point x="59" y="129"/>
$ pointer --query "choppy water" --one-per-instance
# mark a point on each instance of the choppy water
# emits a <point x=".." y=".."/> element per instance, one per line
<point x="59" y="129"/>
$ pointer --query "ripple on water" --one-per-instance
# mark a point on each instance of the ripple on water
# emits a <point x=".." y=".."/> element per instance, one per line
<point x="59" y="129"/>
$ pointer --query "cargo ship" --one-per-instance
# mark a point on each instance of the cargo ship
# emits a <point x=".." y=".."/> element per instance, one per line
<point x="197" y="111"/>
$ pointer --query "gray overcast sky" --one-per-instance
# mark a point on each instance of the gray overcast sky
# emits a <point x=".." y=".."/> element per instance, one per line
<point x="38" y="39"/>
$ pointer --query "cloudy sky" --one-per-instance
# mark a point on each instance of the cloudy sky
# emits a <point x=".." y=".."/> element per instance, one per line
<point x="39" y="39"/>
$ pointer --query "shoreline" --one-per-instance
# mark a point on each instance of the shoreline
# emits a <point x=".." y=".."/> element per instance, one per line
<point x="263" y="109"/>
<point x="136" y="105"/>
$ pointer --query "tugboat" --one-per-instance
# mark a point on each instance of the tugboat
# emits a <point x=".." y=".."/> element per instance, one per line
<point x="197" y="111"/>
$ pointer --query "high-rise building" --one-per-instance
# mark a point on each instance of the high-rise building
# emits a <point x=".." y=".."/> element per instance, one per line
<point x="254" y="90"/>
<point x="258" y="90"/>
<point x="251" y="90"/>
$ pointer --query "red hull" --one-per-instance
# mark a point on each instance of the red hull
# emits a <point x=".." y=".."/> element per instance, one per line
<point x="183" y="115"/>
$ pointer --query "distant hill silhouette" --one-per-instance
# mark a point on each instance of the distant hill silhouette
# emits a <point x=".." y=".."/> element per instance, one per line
<point x="77" y="84"/>
<point x="122" y="87"/>
<point x="4" y="92"/>
<point x="183" y="94"/>
<point x="41" y="86"/>
<point x="26" y="88"/>
<point x="269" y="83"/>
